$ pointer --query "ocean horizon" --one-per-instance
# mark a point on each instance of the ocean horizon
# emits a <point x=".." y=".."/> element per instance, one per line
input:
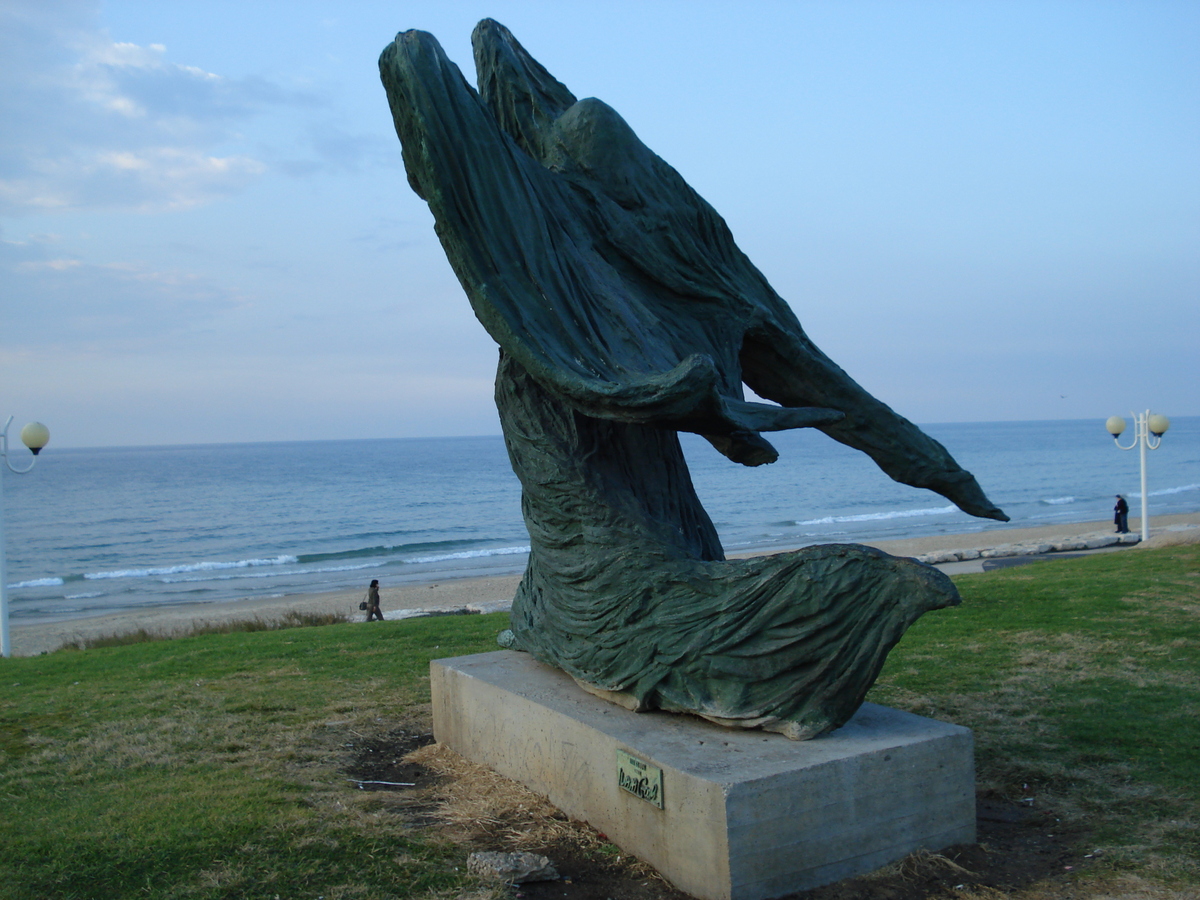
<point x="104" y="530"/>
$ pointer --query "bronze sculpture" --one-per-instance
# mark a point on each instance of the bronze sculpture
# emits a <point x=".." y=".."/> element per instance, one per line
<point x="625" y="313"/>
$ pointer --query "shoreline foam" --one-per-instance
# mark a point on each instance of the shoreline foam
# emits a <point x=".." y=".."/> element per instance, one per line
<point x="494" y="593"/>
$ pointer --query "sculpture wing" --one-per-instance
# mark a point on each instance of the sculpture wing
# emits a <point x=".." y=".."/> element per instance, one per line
<point x="595" y="266"/>
<point x="519" y="238"/>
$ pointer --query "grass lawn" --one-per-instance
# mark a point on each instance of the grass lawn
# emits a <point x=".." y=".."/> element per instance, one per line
<point x="1081" y="681"/>
<point x="214" y="766"/>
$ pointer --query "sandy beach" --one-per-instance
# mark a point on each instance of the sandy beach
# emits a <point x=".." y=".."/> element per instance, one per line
<point x="494" y="594"/>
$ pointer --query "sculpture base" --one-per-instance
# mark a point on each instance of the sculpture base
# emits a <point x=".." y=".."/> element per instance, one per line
<point x="723" y="814"/>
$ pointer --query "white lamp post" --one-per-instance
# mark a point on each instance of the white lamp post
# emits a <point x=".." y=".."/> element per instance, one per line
<point x="1145" y="425"/>
<point x="35" y="436"/>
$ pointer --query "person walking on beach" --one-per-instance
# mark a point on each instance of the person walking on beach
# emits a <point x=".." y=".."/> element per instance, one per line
<point x="1121" y="515"/>
<point x="373" y="610"/>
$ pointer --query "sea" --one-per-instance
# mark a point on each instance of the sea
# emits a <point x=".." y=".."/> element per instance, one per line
<point x="97" y="531"/>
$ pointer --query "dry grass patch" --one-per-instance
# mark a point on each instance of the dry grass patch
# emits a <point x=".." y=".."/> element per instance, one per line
<point x="482" y="810"/>
<point x="277" y="622"/>
<point x="920" y="866"/>
<point x="478" y="807"/>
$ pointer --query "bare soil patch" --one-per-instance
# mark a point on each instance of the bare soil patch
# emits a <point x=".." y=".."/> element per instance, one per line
<point x="1017" y="846"/>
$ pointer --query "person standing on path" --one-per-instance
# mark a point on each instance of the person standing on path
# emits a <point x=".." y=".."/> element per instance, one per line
<point x="1121" y="515"/>
<point x="373" y="610"/>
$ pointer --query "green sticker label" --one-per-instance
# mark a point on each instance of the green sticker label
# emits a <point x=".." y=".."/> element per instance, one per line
<point x="639" y="778"/>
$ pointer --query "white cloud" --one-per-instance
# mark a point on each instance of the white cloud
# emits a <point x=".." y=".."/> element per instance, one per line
<point x="146" y="179"/>
<point x="93" y="123"/>
<point x="124" y="304"/>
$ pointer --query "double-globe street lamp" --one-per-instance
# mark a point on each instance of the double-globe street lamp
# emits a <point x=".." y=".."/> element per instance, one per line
<point x="1144" y="425"/>
<point x="35" y="436"/>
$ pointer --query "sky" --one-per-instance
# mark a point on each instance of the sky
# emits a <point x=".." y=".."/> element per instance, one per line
<point x="982" y="211"/>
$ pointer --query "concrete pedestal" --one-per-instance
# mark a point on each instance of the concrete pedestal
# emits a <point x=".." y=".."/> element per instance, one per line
<point x="745" y="815"/>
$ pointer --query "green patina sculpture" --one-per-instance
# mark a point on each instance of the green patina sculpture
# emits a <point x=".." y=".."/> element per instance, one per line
<point x="625" y="313"/>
